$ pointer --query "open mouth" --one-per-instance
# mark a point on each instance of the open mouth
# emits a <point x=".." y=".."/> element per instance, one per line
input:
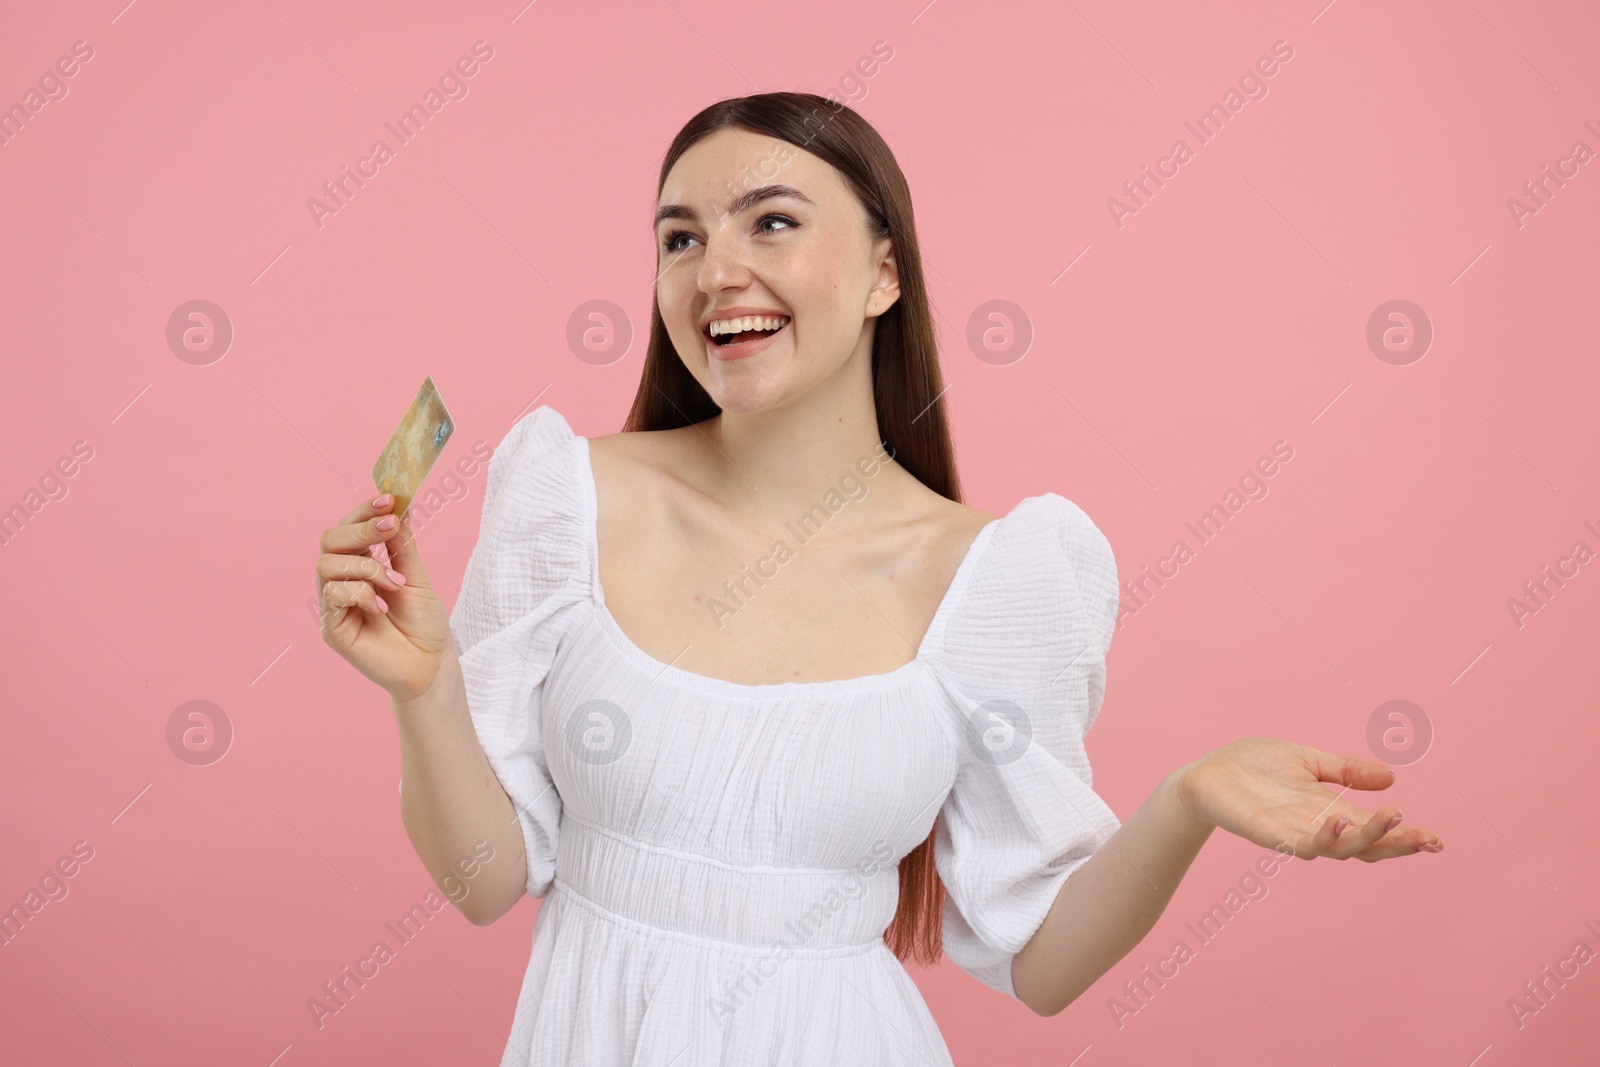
<point x="728" y="340"/>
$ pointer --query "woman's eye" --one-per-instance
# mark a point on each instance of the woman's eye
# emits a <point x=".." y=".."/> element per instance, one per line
<point x="781" y="218"/>
<point x="669" y="243"/>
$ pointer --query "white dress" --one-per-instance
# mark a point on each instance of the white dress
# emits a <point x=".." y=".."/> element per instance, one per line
<point x="717" y="861"/>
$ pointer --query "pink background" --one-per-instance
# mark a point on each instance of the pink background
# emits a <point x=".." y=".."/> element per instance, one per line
<point x="1229" y="313"/>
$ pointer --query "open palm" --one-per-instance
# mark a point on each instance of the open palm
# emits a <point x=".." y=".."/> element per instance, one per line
<point x="1271" y="792"/>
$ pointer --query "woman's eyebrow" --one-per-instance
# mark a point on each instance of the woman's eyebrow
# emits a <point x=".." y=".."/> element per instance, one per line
<point x="743" y="203"/>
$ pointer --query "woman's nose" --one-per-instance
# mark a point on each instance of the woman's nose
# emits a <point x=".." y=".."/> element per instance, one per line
<point x="723" y="265"/>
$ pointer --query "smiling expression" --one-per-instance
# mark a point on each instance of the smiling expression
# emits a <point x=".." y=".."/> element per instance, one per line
<point x="793" y="250"/>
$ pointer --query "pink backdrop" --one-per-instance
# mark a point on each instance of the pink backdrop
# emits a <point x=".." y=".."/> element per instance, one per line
<point x="1174" y="342"/>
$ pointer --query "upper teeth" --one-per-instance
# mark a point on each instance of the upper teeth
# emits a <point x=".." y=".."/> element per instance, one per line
<point x="749" y="322"/>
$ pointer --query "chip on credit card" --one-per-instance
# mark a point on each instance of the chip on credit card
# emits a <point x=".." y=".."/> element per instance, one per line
<point x="415" y="445"/>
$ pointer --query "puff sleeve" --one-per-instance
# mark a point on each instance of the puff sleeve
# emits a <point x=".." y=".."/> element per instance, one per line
<point x="524" y="577"/>
<point x="1023" y="661"/>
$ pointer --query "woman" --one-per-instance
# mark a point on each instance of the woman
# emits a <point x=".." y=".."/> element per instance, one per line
<point x="808" y="665"/>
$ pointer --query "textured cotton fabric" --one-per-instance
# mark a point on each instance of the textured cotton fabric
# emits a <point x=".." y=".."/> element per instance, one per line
<point x="717" y="861"/>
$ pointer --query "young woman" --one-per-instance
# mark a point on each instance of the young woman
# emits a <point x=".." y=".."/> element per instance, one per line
<point x="750" y="699"/>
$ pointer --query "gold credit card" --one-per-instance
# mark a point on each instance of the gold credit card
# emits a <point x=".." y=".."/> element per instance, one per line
<point x="413" y="448"/>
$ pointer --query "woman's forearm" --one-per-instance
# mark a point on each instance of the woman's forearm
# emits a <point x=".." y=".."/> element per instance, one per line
<point x="451" y="801"/>
<point x="1108" y="905"/>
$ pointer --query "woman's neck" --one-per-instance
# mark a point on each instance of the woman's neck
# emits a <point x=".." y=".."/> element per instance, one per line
<point x="780" y="461"/>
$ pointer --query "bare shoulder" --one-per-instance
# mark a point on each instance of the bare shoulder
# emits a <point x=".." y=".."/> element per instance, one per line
<point x="969" y="518"/>
<point x="633" y="469"/>
<point x="623" y="453"/>
<point x="941" y="514"/>
<point x="937" y="532"/>
<point x="959" y="522"/>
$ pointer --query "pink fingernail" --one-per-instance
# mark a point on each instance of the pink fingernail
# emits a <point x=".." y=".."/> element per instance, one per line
<point x="381" y="605"/>
<point x="1338" y="827"/>
<point x="1393" y="822"/>
<point x="396" y="577"/>
<point x="381" y="501"/>
<point x="386" y="523"/>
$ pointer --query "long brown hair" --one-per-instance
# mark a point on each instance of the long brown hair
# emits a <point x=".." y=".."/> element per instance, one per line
<point x="906" y="384"/>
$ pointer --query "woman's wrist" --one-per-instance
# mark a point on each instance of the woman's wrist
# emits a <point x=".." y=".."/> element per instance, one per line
<point x="1177" y="787"/>
<point x="447" y="683"/>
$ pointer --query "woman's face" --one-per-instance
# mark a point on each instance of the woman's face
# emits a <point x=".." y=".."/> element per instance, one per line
<point x="803" y="257"/>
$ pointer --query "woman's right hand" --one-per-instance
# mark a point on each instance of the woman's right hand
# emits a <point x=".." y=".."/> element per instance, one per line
<point x="399" y="638"/>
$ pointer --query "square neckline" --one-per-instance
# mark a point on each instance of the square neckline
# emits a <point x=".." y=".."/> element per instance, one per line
<point x="583" y="459"/>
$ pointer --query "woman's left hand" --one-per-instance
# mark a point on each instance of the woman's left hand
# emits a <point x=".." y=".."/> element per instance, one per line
<point x="1271" y="792"/>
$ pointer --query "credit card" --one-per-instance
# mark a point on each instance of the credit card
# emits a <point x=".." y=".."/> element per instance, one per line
<point x="413" y="448"/>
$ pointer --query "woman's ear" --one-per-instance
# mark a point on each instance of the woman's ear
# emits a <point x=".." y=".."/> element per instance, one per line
<point x="886" y="289"/>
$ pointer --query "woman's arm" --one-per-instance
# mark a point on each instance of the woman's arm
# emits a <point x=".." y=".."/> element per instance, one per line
<point x="1267" y="791"/>
<point x="1107" y="906"/>
<point x="450" y="800"/>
